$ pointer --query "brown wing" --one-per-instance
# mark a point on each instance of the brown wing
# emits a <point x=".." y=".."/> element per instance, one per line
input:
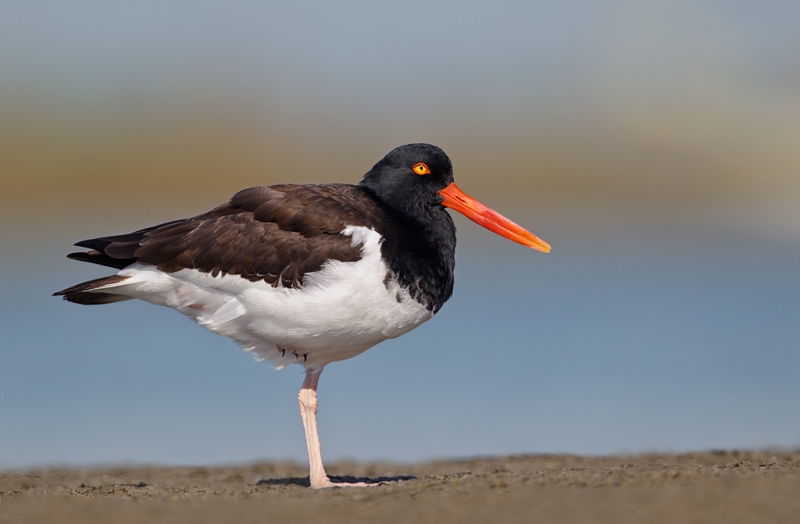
<point x="272" y="233"/>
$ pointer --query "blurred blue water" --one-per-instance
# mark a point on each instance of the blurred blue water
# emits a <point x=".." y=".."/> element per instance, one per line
<point x="654" y="341"/>
<point x="606" y="345"/>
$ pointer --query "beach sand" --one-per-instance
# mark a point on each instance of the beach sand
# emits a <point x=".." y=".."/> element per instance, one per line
<point x="718" y="486"/>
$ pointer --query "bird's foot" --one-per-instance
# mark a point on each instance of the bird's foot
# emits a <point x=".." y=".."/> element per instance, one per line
<point x="325" y="482"/>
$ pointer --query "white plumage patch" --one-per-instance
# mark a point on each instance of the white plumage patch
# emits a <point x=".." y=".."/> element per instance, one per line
<point x="341" y="310"/>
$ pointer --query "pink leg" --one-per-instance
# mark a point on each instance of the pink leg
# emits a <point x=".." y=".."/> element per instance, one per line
<point x="307" y="399"/>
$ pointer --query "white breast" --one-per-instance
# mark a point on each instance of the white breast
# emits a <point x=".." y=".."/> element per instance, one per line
<point x="341" y="310"/>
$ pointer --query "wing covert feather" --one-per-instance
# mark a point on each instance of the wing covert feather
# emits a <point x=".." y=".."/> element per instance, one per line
<point x="272" y="233"/>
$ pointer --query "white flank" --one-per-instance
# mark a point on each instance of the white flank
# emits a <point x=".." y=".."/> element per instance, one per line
<point x="342" y="310"/>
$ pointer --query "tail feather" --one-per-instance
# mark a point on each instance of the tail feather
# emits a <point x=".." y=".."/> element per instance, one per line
<point x="101" y="243"/>
<point x="91" y="292"/>
<point x="100" y="258"/>
<point x="117" y="251"/>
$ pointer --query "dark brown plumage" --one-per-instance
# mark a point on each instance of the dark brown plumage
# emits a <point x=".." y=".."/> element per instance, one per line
<point x="82" y="293"/>
<point x="268" y="233"/>
<point x="278" y="234"/>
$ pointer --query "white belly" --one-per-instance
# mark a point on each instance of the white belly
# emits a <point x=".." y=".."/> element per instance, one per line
<point x="340" y="311"/>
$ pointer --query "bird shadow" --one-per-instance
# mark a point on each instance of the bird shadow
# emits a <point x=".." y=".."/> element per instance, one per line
<point x="344" y="479"/>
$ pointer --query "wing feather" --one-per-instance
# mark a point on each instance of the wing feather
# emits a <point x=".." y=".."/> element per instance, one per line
<point x="272" y="233"/>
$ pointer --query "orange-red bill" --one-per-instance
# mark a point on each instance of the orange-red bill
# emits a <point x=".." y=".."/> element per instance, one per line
<point x="456" y="199"/>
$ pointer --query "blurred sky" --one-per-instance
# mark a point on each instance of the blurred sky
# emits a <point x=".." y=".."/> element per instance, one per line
<point x="655" y="145"/>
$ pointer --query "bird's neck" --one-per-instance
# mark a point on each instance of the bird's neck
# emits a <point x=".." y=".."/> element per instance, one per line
<point x="421" y="257"/>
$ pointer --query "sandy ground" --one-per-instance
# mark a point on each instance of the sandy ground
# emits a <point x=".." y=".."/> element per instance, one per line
<point x="730" y="487"/>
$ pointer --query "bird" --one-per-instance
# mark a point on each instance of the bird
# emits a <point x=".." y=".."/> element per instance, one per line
<point x="305" y="274"/>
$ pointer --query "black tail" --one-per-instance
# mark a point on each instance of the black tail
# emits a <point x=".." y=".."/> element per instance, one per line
<point x="83" y="294"/>
<point x="119" y="252"/>
<point x="116" y="251"/>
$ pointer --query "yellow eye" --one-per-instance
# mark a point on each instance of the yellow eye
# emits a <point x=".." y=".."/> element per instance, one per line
<point x="421" y="169"/>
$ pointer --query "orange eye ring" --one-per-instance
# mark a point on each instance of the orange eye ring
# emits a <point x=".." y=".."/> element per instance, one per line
<point x="421" y="168"/>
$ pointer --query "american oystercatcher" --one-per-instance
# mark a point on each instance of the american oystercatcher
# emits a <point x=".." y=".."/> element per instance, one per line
<point x="306" y="274"/>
